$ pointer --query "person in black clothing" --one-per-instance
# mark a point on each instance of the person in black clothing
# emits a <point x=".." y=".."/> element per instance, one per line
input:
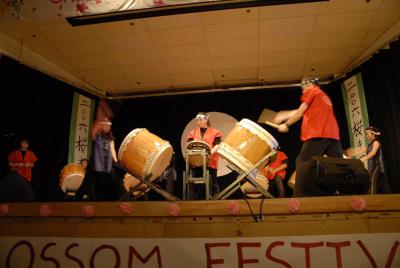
<point x="376" y="168"/>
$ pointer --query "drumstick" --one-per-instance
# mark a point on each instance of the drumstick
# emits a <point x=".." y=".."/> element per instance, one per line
<point x="272" y="124"/>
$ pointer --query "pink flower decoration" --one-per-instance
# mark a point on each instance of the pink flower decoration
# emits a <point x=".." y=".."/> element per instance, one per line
<point x="4" y="209"/>
<point x="358" y="203"/>
<point x="44" y="210"/>
<point x="126" y="208"/>
<point x="88" y="211"/>
<point x="81" y="7"/>
<point x="233" y="208"/>
<point x="293" y="205"/>
<point x="158" y="2"/>
<point x="174" y="209"/>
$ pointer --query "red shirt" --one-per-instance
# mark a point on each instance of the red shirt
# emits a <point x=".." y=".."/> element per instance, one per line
<point x="16" y="157"/>
<point x="319" y="120"/>
<point x="280" y="159"/>
<point x="209" y="137"/>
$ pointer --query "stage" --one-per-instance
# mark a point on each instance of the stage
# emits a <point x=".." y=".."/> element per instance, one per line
<point x="220" y="218"/>
<point x="341" y="231"/>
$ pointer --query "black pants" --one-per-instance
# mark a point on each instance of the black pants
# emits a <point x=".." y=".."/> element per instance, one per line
<point x="314" y="147"/>
<point x="379" y="183"/>
<point x="101" y="186"/>
<point x="276" y="187"/>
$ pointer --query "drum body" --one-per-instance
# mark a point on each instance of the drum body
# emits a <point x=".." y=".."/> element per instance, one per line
<point x="132" y="182"/>
<point x="143" y="153"/>
<point x="292" y="180"/>
<point x="249" y="190"/>
<point x="195" y="151"/>
<point x="71" y="177"/>
<point x="246" y="145"/>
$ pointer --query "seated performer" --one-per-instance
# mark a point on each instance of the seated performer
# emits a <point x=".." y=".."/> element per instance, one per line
<point x="275" y="172"/>
<point x="22" y="160"/>
<point x="212" y="136"/>
<point x="376" y="168"/>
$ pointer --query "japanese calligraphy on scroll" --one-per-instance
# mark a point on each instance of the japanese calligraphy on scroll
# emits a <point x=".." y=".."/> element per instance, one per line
<point x="81" y="123"/>
<point x="356" y="111"/>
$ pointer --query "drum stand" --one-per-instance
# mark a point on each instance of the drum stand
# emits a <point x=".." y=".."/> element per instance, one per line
<point x="189" y="180"/>
<point x="145" y="180"/>
<point x="234" y="186"/>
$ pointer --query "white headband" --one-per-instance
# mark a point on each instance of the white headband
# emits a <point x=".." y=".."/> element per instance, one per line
<point x="202" y="116"/>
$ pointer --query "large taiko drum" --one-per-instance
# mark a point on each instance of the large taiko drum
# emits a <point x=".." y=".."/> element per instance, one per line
<point x="246" y="145"/>
<point x="249" y="190"/>
<point x="143" y="153"/>
<point x="71" y="178"/>
<point x="195" y="151"/>
<point x="132" y="182"/>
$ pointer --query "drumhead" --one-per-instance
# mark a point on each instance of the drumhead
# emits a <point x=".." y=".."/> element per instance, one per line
<point x="127" y="140"/>
<point x="259" y="132"/>
<point x="71" y="182"/>
<point x="159" y="161"/>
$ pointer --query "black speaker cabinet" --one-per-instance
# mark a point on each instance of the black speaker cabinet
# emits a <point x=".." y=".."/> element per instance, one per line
<point x="343" y="176"/>
<point x="14" y="188"/>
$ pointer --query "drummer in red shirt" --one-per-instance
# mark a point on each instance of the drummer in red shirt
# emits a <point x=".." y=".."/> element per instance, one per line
<point x="212" y="136"/>
<point x="319" y="132"/>
<point x="275" y="172"/>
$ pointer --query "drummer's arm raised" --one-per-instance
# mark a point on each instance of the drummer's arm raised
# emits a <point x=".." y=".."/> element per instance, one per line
<point x="295" y="116"/>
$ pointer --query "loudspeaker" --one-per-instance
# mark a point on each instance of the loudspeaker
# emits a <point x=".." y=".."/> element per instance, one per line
<point x="14" y="188"/>
<point x="341" y="176"/>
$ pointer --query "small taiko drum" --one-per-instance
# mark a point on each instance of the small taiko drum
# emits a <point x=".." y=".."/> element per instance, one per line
<point x="71" y="178"/>
<point x="195" y="151"/>
<point x="246" y="145"/>
<point x="251" y="191"/>
<point x="292" y="180"/>
<point x="131" y="181"/>
<point x="143" y="153"/>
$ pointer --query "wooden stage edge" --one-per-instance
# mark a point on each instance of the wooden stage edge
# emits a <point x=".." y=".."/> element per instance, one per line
<point x="217" y="218"/>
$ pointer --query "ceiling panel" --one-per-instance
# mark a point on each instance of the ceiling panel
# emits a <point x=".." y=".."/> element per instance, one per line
<point x="80" y="48"/>
<point x="145" y="69"/>
<point x="119" y="27"/>
<point x="337" y="40"/>
<point x="137" y="56"/>
<point x="284" y="43"/>
<point x="126" y="42"/>
<point x="180" y="36"/>
<point x="188" y="66"/>
<point x="234" y="47"/>
<point x="289" y="11"/>
<point x="234" y="62"/>
<point x="230" y="16"/>
<point x="183" y="52"/>
<point x="343" y="22"/>
<point x="282" y="58"/>
<point x="173" y="22"/>
<point x="246" y="74"/>
<point x="287" y="26"/>
<point x="231" y="31"/>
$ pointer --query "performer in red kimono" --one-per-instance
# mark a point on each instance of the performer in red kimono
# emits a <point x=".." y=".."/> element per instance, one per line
<point x="275" y="172"/>
<point x="23" y="160"/>
<point x="212" y="136"/>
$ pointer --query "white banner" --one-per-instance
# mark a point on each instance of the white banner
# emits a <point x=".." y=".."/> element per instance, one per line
<point x="80" y="129"/>
<point x="327" y="251"/>
<point x="356" y="111"/>
<point x="29" y="9"/>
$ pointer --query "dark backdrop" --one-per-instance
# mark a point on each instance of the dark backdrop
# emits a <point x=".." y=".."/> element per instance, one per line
<point x="39" y="107"/>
